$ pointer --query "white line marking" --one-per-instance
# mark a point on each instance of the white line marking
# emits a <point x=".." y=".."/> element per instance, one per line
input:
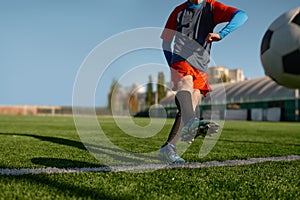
<point x="141" y="168"/>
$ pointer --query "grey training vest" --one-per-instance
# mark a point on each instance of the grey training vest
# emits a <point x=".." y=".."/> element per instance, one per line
<point x="193" y="26"/>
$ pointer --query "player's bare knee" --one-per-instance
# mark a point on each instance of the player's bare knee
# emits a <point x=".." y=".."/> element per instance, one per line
<point x="196" y="94"/>
<point x="186" y="83"/>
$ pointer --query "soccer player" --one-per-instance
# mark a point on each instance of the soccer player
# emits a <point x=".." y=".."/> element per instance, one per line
<point x="191" y="29"/>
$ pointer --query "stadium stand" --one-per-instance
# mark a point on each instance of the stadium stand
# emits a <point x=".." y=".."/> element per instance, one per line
<point x="259" y="99"/>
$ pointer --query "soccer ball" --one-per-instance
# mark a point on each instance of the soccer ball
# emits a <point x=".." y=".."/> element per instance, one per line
<point x="280" y="49"/>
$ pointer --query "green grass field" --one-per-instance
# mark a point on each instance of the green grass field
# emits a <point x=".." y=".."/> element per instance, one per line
<point x="41" y="142"/>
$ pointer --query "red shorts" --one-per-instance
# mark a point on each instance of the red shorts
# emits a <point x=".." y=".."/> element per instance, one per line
<point x="200" y="79"/>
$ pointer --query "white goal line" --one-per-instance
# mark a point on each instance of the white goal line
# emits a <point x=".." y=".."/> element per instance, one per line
<point x="147" y="167"/>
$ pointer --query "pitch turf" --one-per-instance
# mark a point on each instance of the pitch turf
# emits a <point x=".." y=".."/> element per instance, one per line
<point x="40" y="142"/>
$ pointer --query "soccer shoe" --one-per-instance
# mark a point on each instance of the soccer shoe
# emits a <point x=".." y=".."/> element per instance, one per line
<point x="207" y="128"/>
<point x="169" y="155"/>
<point x="195" y="127"/>
<point x="189" y="130"/>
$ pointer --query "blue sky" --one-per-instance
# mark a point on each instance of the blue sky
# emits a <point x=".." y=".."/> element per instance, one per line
<point x="43" y="43"/>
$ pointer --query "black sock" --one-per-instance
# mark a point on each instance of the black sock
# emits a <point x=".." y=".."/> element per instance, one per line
<point x="183" y="100"/>
<point x="175" y="130"/>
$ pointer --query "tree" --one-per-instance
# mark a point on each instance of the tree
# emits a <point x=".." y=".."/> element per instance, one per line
<point x="149" y="93"/>
<point x="222" y="79"/>
<point x="225" y="78"/>
<point x="133" y="102"/>
<point x="114" y="89"/>
<point x="161" y="88"/>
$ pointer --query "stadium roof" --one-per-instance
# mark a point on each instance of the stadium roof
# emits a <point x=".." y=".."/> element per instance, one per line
<point x="252" y="90"/>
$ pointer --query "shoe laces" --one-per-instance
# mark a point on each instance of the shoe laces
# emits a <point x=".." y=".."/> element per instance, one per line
<point x="172" y="150"/>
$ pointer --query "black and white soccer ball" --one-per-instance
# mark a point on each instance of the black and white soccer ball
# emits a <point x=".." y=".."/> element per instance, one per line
<point x="280" y="49"/>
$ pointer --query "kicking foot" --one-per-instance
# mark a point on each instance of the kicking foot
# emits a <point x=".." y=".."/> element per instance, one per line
<point x="195" y="128"/>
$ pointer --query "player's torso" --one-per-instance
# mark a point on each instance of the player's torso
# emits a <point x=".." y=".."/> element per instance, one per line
<point x="193" y="25"/>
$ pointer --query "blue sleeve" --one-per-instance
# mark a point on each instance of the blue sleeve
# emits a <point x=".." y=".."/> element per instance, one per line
<point x="167" y="51"/>
<point x="238" y="19"/>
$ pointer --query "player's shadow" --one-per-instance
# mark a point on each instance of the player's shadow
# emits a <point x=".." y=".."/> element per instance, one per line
<point x="115" y="153"/>
<point x="56" y="140"/>
<point x="63" y="163"/>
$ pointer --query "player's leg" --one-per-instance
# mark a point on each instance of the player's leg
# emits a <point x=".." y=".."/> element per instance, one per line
<point x="178" y="123"/>
<point x="196" y="97"/>
<point x="184" y="98"/>
<point x="196" y="127"/>
<point x="184" y="102"/>
<point x="174" y="137"/>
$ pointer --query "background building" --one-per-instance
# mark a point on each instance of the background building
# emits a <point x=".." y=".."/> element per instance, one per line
<point x="220" y="74"/>
<point x="259" y="99"/>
